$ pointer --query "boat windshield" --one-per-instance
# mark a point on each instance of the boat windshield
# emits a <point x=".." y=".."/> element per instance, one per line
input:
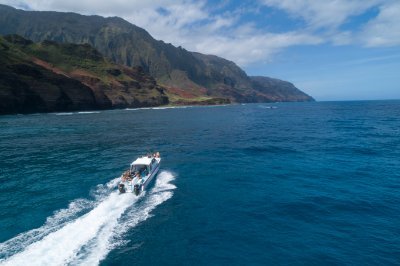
<point x="142" y="169"/>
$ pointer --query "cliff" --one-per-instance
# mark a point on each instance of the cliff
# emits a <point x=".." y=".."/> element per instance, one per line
<point x="49" y="76"/>
<point x="277" y="90"/>
<point x="187" y="76"/>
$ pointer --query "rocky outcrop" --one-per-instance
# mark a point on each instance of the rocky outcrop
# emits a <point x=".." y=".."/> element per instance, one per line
<point x="53" y="77"/>
<point x="277" y="90"/>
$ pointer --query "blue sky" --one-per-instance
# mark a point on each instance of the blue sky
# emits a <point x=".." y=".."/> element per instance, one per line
<point x="331" y="49"/>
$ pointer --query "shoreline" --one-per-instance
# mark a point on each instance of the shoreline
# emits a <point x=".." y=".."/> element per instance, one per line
<point x="167" y="106"/>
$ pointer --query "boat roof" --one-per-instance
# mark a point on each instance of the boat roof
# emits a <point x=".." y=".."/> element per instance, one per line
<point x="142" y="160"/>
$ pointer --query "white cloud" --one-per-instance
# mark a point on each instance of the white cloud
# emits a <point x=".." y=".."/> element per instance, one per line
<point x="219" y="34"/>
<point x="114" y="7"/>
<point x="328" y="14"/>
<point x="194" y="26"/>
<point x="191" y="25"/>
<point x="252" y="48"/>
<point x="384" y="30"/>
<point x="15" y="3"/>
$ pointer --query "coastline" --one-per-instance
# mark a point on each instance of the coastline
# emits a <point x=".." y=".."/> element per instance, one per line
<point x="156" y="107"/>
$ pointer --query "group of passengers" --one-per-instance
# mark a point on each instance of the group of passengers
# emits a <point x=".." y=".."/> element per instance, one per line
<point x="139" y="172"/>
<point x="128" y="175"/>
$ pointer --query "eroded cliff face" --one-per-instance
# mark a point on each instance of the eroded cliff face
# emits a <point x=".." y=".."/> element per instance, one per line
<point x="207" y="78"/>
<point x="277" y="90"/>
<point x="53" y="77"/>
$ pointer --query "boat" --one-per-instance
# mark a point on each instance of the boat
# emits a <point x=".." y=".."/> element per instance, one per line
<point x="139" y="175"/>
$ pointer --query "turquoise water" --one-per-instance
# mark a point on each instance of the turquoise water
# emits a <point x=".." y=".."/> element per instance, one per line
<point x="256" y="184"/>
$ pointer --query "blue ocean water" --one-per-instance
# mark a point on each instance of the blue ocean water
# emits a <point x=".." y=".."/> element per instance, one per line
<point x="255" y="184"/>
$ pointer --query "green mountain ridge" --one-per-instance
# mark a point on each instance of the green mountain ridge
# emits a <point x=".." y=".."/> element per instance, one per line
<point x="278" y="89"/>
<point x="187" y="76"/>
<point x="49" y="77"/>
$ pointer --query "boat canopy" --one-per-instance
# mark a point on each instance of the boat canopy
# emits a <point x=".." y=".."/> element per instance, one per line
<point x="143" y="161"/>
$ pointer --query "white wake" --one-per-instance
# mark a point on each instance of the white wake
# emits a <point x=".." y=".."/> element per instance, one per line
<point x="85" y="232"/>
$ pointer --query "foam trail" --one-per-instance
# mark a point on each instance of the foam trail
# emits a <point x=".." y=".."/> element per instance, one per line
<point x="112" y="237"/>
<point x="88" y="239"/>
<point x="88" y="112"/>
<point x="64" y="113"/>
<point x="53" y="223"/>
<point x="171" y="107"/>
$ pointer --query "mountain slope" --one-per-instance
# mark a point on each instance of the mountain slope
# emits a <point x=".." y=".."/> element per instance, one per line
<point x="48" y="76"/>
<point x="276" y="89"/>
<point x="202" y="76"/>
<point x="113" y="37"/>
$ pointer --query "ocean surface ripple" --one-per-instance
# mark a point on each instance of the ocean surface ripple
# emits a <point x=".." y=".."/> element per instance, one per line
<point x="254" y="184"/>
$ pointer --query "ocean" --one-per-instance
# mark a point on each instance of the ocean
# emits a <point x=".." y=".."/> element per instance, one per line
<point x="252" y="184"/>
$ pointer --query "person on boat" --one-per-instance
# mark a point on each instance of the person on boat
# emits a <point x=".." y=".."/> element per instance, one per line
<point x="125" y="176"/>
<point x="144" y="171"/>
<point x="139" y="179"/>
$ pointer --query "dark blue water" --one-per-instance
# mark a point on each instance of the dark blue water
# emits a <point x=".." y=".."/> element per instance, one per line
<point x="279" y="184"/>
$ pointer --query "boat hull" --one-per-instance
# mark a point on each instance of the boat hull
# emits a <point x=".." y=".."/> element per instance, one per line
<point x="133" y="186"/>
<point x="151" y="177"/>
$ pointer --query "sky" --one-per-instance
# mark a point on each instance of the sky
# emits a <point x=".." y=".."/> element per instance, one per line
<point x="330" y="49"/>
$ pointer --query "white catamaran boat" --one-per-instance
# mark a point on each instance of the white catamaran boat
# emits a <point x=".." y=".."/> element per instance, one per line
<point x="140" y="174"/>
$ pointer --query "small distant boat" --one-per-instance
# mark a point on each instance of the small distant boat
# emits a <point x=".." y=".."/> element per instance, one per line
<point x="141" y="172"/>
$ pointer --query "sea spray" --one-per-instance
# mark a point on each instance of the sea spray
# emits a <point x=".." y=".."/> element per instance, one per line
<point x="111" y="236"/>
<point x="86" y="239"/>
<point x="76" y="208"/>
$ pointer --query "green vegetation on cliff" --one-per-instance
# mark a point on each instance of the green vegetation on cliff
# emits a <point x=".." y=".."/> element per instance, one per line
<point x="276" y="89"/>
<point x="180" y="71"/>
<point x="49" y="76"/>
